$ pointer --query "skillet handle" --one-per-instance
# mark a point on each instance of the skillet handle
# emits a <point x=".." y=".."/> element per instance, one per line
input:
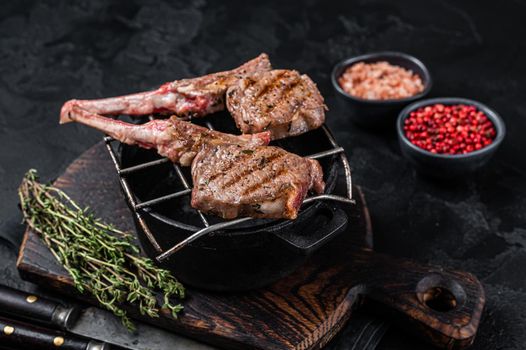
<point x="310" y="235"/>
<point x="442" y="305"/>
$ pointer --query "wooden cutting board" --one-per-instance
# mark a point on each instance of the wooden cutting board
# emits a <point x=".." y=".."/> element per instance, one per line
<point x="302" y="311"/>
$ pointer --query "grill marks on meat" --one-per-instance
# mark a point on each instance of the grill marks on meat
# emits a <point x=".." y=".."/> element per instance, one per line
<point x="263" y="181"/>
<point x="280" y="101"/>
<point x="186" y="98"/>
<point x="233" y="175"/>
<point x="187" y="139"/>
<point x="253" y="166"/>
<point x="175" y="139"/>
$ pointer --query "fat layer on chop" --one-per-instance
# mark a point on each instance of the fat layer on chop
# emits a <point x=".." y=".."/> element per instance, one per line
<point x="280" y="101"/>
<point x="262" y="182"/>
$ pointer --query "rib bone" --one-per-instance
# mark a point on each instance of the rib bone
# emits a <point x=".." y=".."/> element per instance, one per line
<point x="175" y="139"/>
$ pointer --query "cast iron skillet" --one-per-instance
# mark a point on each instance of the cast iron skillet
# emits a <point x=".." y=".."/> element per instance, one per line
<point x="250" y="255"/>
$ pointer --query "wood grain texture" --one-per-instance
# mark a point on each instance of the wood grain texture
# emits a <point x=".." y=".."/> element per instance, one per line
<point x="302" y="311"/>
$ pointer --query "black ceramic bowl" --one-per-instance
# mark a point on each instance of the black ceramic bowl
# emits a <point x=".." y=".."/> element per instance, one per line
<point x="375" y="113"/>
<point x="442" y="165"/>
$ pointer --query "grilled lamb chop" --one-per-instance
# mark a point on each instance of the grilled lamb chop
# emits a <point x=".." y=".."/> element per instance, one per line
<point x="233" y="175"/>
<point x="264" y="182"/>
<point x="281" y="101"/>
<point x="174" y="139"/>
<point x="186" y="98"/>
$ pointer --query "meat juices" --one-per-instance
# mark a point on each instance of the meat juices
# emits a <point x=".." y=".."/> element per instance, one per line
<point x="380" y="81"/>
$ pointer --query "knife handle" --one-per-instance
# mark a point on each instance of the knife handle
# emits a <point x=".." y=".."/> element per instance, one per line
<point x="20" y="335"/>
<point x="34" y="308"/>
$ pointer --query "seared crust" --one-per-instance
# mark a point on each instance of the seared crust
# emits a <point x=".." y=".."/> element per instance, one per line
<point x="281" y="101"/>
<point x="183" y="140"/>
<point x="174" y="139"/>
<point x="266" y="182"/>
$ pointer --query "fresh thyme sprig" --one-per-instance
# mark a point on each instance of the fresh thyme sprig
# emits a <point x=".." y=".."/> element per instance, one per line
<point x="101" y="259"/>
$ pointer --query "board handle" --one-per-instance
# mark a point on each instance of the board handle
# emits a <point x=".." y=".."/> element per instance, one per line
<point x="30" y="307"/>
<point x="443" y="305"/>
<point x="18" y="335"/>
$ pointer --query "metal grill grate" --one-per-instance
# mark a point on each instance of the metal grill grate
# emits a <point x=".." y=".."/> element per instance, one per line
<point x="139" y="206"/>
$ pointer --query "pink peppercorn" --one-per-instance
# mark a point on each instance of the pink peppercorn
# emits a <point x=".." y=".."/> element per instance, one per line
<point x="449" y="129"/>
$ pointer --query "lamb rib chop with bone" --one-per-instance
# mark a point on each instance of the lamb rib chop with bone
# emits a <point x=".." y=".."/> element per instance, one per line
<point x="175" y="139"/>
<point x="233" y="175"/>
<point x="185" y="98"/>
<point x="260" y="99"/>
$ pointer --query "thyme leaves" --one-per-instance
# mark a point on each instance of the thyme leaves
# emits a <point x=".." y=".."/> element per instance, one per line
<point x="102" y="260"/>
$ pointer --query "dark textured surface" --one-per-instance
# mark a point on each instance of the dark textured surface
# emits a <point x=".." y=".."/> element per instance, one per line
<point x="90" y="49"/>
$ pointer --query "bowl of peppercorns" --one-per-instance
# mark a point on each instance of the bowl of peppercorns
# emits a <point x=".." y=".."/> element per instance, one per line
<point x="447" y="137"/>
<point x="374" y="88"/>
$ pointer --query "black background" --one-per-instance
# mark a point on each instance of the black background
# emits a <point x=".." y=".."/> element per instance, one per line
<point x="54" y="51"/>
